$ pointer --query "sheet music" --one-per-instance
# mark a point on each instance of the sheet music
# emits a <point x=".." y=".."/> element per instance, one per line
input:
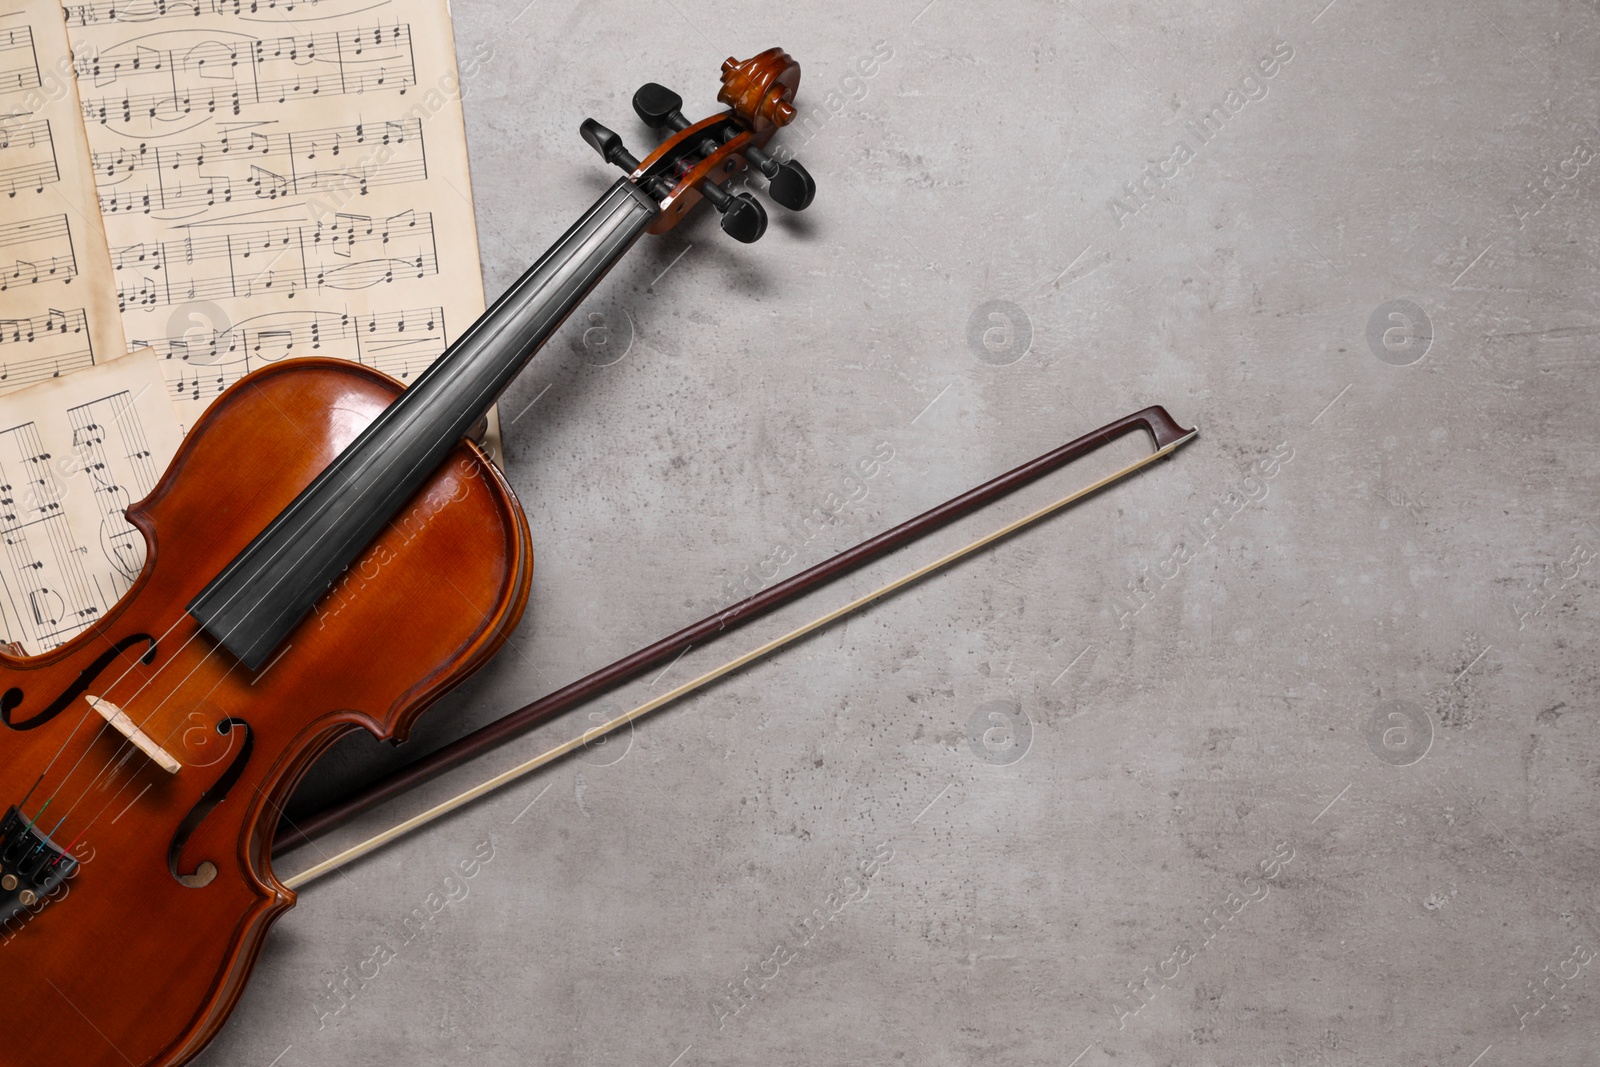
<point x="279" y="179"/>
<point x="75" y="451"/>
<point x="57" y="297"/>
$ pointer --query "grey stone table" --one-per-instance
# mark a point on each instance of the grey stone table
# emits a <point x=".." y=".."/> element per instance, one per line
<point x="1282" y="753"/>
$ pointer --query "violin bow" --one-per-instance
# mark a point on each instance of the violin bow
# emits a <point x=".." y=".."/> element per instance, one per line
<point x="1166" y="433"/>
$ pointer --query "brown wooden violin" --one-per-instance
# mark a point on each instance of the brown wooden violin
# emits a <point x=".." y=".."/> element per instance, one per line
<point x="327" y="552"/>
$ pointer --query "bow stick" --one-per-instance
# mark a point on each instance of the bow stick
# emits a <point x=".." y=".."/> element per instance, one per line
<point x="1163" y="429"/>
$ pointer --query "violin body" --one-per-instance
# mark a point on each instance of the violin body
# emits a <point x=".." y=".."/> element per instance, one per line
<point x="141" y="954"/>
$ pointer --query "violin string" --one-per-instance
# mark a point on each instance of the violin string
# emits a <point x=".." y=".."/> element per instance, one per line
<point x="29" y="794"/>
<point x="361" y="468"/>
<point x="29" y="829"/>
<point x="127" y="703"/>
<point x="120" y="757"/>
<point x="120" y="754"/>
<point x="179" y="687"/>
<point x="369" y="464"/>
<point x="135" y="776"/>
<point x="74" y="842"/>
<point x="127" y="744"/>
<point x="88" y="748"/>
<point x="112" y="799"/>
<point x="142" y="766"/>
<point x="118" y="760"/>
<point x="350" y="505"/>
<point x="67" y="740"/>
<point x="523" y="769"/>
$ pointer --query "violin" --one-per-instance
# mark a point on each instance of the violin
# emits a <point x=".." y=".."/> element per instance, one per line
<point x="327" y="552"/>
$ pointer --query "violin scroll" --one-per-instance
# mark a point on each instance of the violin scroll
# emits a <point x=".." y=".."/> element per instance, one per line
<point x="698" y="158"/>
<point x="761" y="89"/>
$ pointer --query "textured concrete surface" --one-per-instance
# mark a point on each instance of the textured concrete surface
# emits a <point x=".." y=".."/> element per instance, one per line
<point x="1283" y="753"/>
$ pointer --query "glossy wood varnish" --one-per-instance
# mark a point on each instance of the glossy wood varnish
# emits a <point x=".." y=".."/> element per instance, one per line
<point x="128" y="965"/>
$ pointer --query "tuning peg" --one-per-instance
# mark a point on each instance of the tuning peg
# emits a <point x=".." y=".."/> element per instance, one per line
<point x="788" y="183"/>
<point x="659" y="107"/>
<point x="608" y="144"/>
<point x="745" y="220"/>
<point x="743" y="217"/>
<point x="793" y="187"/>
<point x="613" y="151"/>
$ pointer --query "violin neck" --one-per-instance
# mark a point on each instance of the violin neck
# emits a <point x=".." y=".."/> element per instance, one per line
<point x="269" y="587"/>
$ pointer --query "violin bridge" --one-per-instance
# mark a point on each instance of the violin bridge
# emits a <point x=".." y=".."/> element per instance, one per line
<point x="128" y="728"/>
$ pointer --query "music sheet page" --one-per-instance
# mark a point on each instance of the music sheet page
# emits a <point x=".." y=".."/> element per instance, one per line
<point x="279" y="178"/>
<point x="75" y="451"/>
<point x="58" y="309"/>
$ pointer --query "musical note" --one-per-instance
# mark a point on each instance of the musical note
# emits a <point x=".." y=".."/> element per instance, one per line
<point x="136" y="11"/>
<point x="37" y="348"/>
<point x="400" y="343"/>
<point x="75" y="451"/>
<point x="27" y="156"/>
<point x="269" y="183"/>
<point x="35" y="250"/>
<point x="19" y="62"/>
<point x="153" y="85"/>
<point x="56" y="287"/>
<point x="285" y="259"/>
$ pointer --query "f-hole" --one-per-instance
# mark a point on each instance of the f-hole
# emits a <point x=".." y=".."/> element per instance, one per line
<point x="203" y="874"/>
<point x="14" y="696"/>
